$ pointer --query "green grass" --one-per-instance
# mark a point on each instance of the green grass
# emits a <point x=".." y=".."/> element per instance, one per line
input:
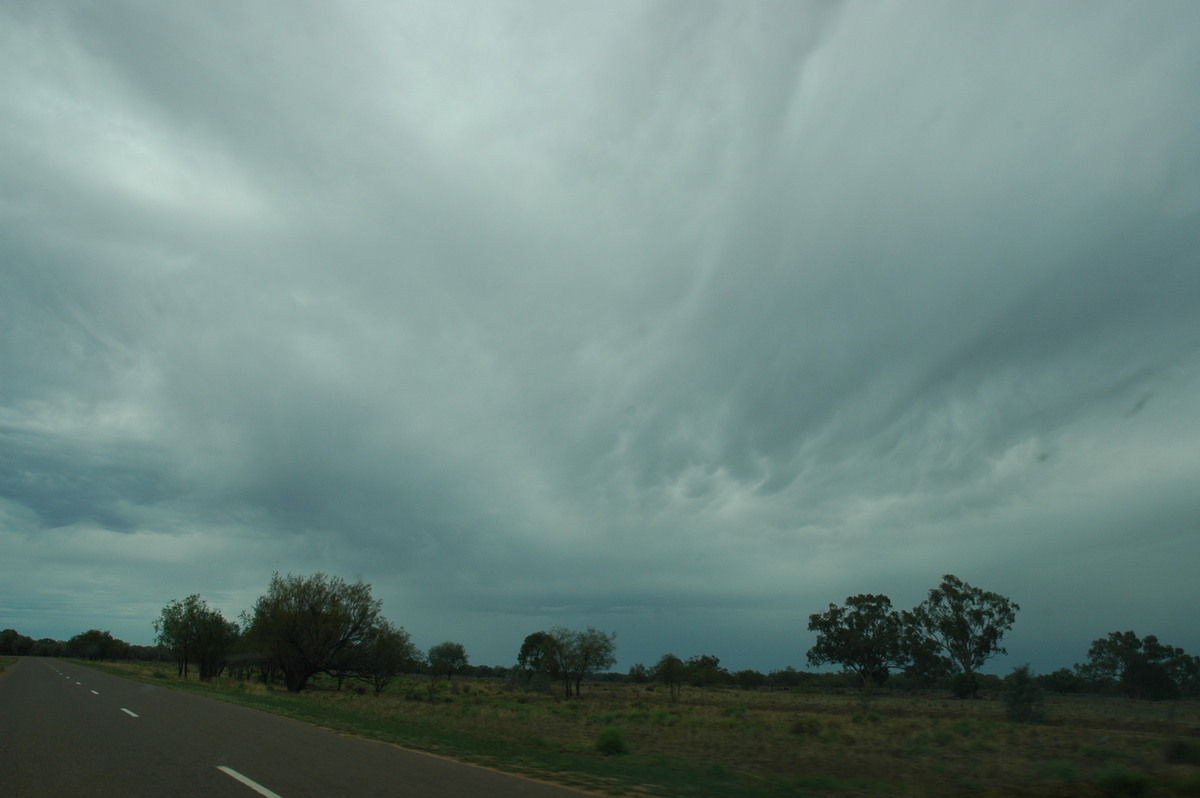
<point x="633" y="740"/>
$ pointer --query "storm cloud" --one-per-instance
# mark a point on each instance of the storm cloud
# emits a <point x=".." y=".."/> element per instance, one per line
<point x="677" y="319"/>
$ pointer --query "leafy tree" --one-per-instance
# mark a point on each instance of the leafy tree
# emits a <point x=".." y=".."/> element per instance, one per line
<point x="541" y="655"/>
<point x="386" y="653"/>
<point x="14" y="643"/>
<point x="964" y="624"/>
<point x="671" y="671"/>
<point x="195" y="632"/>
<point x="308" y="625"/>
<point x="584" y="653"/>
<point x="447" y="658"/>
<point x="706" y="669"/>
<point x="638" y="673"/>
<point x="96" y="644"/>
<point x="1143" y="668"/>
<point x="787" y="677"/>
<point x="865" y="636"/>
<point x="749" y="679"/>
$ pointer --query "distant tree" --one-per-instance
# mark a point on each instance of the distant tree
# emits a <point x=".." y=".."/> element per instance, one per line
<point x="386" y="652"/>
<point x="541" y="656"/>
<point x="785" y="677"/>
<point x="1143" y="668"/>
<point x="638" y="673"/>
<point x="865" y="637"/>
<point x="671" y="671"/>
<point x="964" y="624"/>
<point x="306" y="625"/>
<point x="705" y="669"/>
<point x="195" y="632"/>
<point x="749" y="679"/>
<point x="584" y="653"/>
<point x="13" y="643"/>
<point x="48" y="647"/>
<point x="1066" y="680"/>
<point x="447" y="658"/>
<point x="95" y="644"/>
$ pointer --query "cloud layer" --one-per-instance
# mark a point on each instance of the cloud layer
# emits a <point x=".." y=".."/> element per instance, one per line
<point x="678" y="319"/>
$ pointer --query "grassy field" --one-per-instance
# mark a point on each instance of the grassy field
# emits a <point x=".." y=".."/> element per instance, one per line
<point x="725" y="742"/>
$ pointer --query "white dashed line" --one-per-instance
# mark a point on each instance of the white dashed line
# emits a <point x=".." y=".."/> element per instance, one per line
<point x="128" y="712"/>
<point x="258" y="788"/>
<point x="95" y="693"/>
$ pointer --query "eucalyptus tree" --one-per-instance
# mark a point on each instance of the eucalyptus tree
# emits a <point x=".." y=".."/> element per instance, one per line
<point x="963" y="624"/>
<point x="865" y="636"/>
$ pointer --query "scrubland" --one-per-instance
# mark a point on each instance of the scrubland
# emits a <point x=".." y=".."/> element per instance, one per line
<point x="625" y="739"/>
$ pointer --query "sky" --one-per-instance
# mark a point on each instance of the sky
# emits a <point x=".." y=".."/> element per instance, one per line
<point x="682" y="320"/>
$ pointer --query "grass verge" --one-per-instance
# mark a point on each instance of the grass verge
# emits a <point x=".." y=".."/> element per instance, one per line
<point x="634" y="740"/>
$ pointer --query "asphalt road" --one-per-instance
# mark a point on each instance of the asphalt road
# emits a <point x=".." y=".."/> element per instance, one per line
<point x="70" y="731"/>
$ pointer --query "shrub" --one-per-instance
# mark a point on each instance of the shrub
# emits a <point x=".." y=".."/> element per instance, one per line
<point x="964" y="685"/>
<point x="1023" y="699"/>
<point x="1182" y="752"/>
<point x="611" y="742"/>
<point x="806" y="727"/>
<point x="1119" y="780"/>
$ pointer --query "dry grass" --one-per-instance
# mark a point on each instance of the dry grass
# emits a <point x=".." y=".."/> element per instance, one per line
<point x="729" y="742"/>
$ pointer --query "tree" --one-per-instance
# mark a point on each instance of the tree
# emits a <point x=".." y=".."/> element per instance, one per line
<point x="671" y="671"/>
<point x="749" y="679"/>
<point x="541" y="655"/>
<point x="567" y="656"/>
<point x="386" y="653"/>
<point x="15" y="643"/>
<point x="447" y="658"/>
<point x="865" y="637"/>
<point x="583" y="653"/>
<point x="1144" y="668"/>
<point x="308" y="625"/>
<point x="705" y="669"/>
<point x="963" y="623"/>
<point x="195" y="632"/>
<point x="96" y="644"/>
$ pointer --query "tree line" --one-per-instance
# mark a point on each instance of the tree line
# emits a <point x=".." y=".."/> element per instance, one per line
<point x="304" y="626"/>
<point x="958" y="627"/>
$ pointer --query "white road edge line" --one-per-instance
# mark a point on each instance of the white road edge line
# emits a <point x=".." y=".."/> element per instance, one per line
<point x="251" y="783"/>
<point x="129" y="712"/>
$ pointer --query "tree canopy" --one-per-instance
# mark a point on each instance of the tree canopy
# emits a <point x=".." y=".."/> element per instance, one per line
<point x="195" y="632"/>
<point x="1143" y="668"/>
<point x="308" y="625"/>
<point x="963" y="623"/>
<point x="865" y="636"/>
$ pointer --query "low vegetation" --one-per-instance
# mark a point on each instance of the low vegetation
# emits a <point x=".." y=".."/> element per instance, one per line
<point x="635" y="739"/>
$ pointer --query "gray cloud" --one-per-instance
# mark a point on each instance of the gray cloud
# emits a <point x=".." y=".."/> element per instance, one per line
<point x="679" y="319"/>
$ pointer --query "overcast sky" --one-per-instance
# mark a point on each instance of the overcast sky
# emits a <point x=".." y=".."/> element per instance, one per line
<point x="682" y="320"/>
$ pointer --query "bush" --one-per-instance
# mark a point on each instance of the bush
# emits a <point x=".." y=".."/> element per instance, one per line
<point x="964" y="685"/>
<point x="611" y="742"/>
<point x="1119" y="780"/>
<point x="806" y="727"/>
<point x="1182" y="752"/>
<point x="1023" y="699"/>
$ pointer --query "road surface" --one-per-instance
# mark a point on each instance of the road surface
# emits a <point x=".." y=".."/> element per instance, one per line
<point x="70" y="731"/>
